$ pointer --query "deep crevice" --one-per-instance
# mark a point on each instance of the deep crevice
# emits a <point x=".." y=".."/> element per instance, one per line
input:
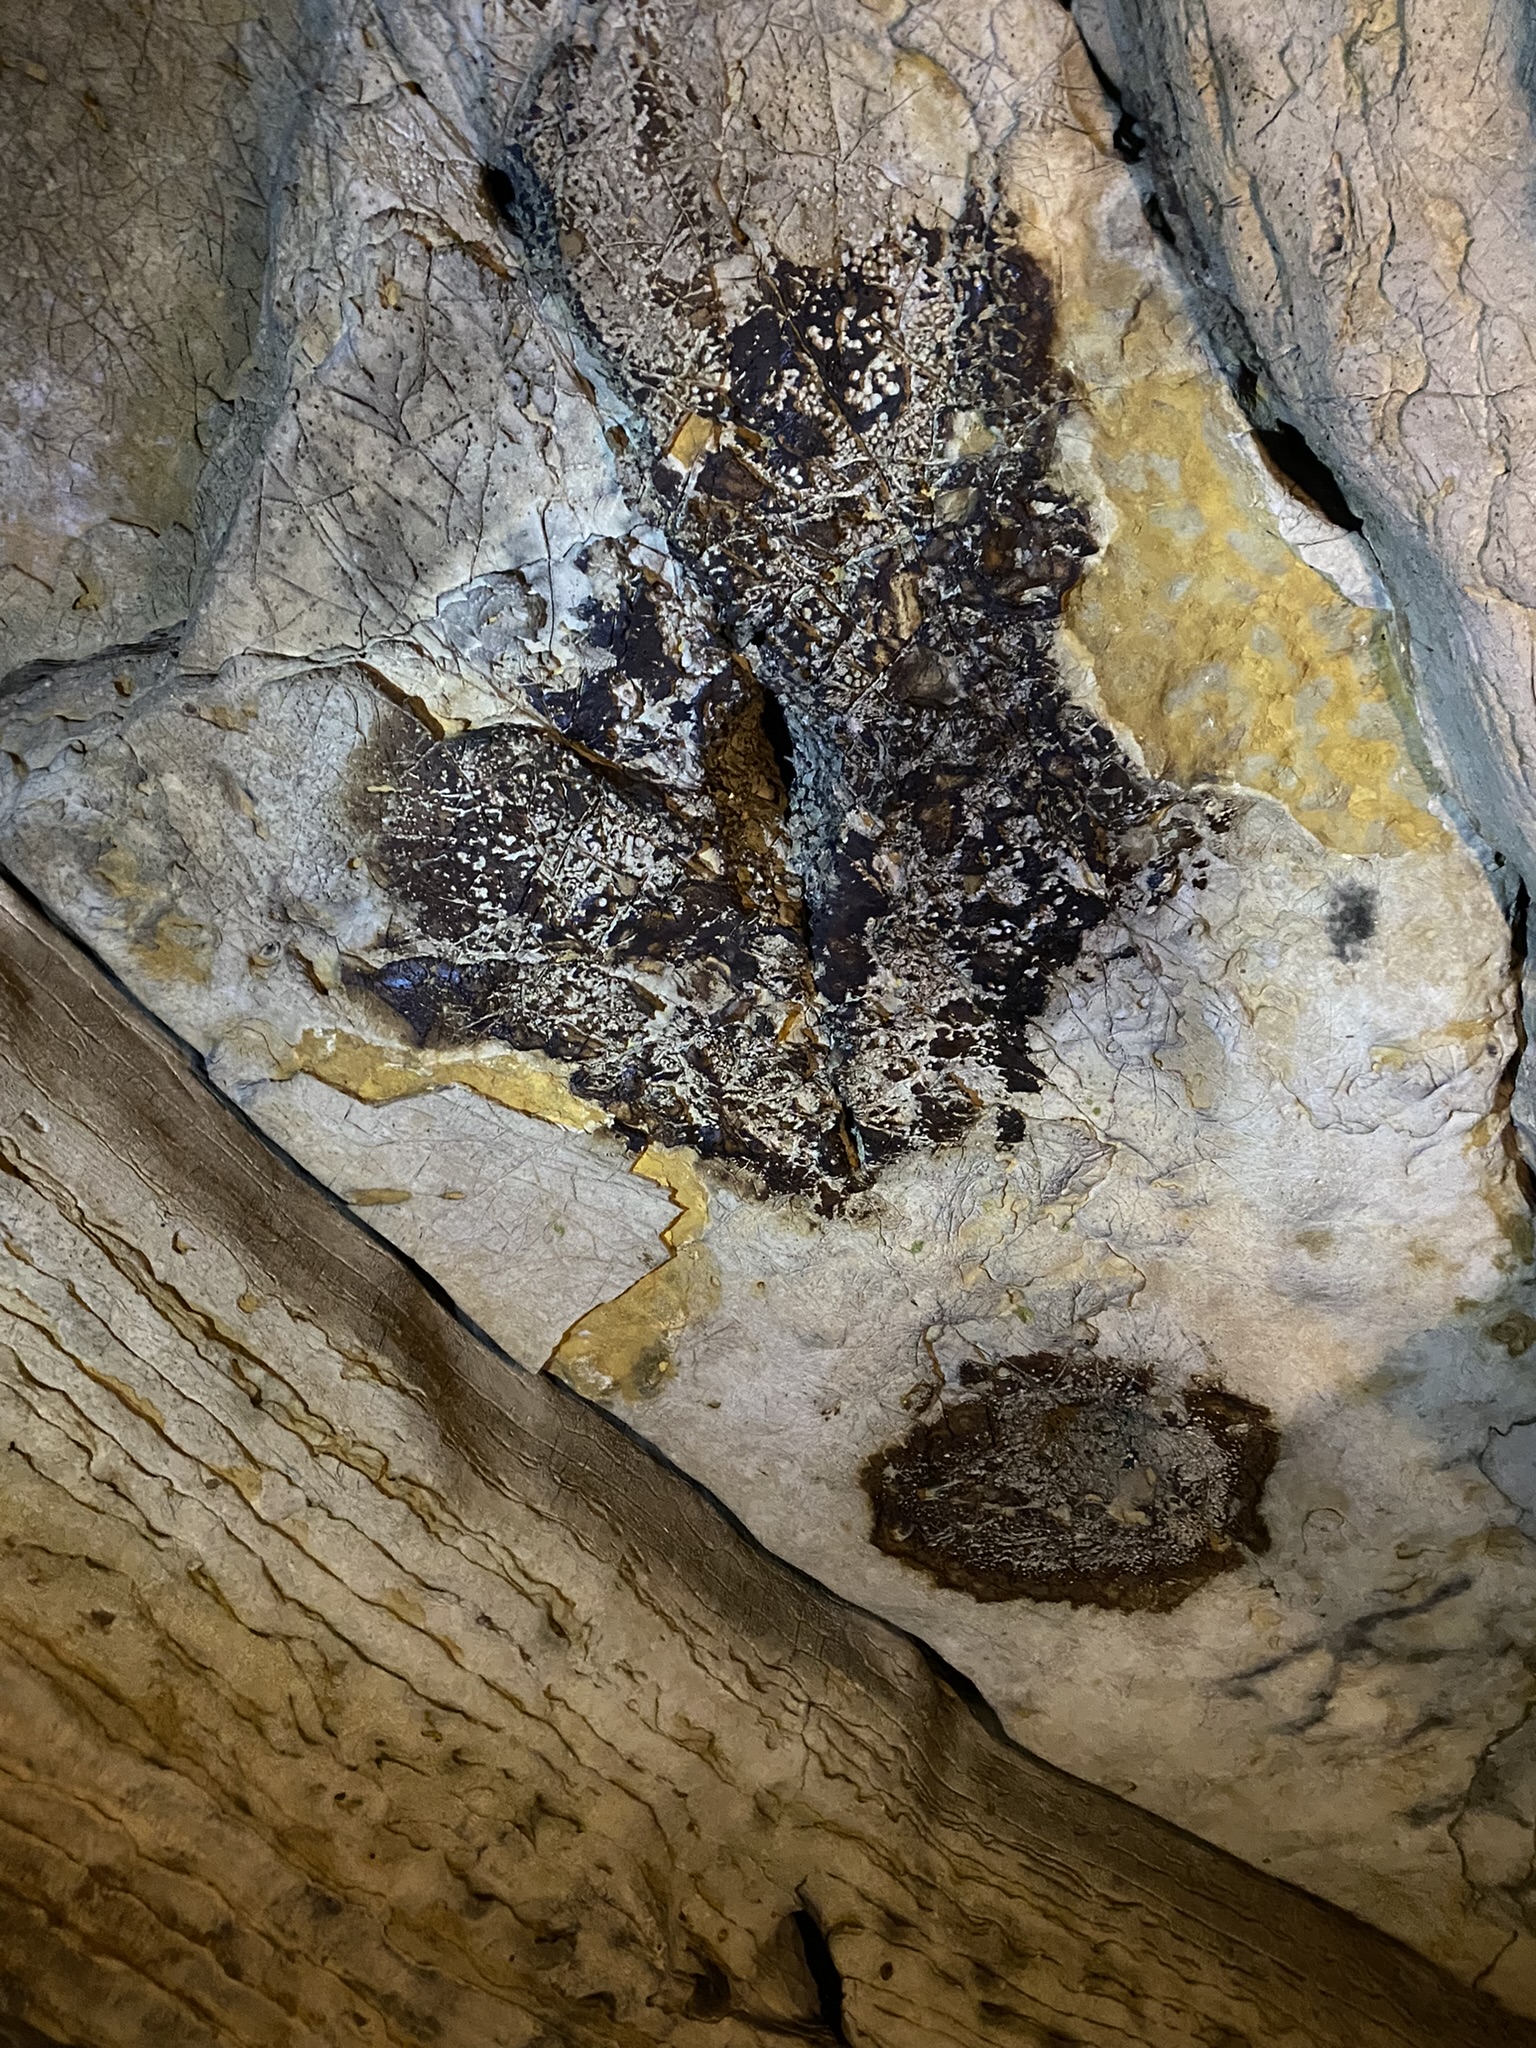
<point x="17" y="2033"/>
<point x="1129" y="137"/>
<point x="780" y="741"/>
<point x="1299" y="466"/>
<point x="1156" y="219"/>
<point x="518" y="198"/>
<point x="1519" y="949"/>
<point x="824" y="1973"/>
<point x="1285" y="448"/>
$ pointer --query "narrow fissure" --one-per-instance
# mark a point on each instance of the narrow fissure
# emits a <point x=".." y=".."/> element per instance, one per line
<point x="16" y="2033"/>
<point x="1299" y="466"/>
<point x="780" y="743"/>
<point x="518" y="199"/>
<point x="1129" y="138"/>
<point x="824" y="1973"/>
<point x="1519" y="948"/>
<point x="1292" y="458"/>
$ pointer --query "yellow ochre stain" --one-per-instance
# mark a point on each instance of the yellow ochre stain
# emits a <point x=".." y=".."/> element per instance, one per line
<point x="390" y="1073"/>
<point x="176" y="949"/>
<point x="626" y="1345"/>
<point x="1460" y="1037"/>
<point x="695" y="437"/>
<point x="1226" y="656"/>
<point x="168" y="945"/>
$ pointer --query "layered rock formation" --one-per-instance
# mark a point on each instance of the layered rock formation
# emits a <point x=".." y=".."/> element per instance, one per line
<point x="764" y="776"/>
<point x="356" y="1686"/>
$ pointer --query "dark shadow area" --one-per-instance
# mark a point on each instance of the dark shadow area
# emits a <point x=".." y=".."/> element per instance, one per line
<point x="1301" y="469"/>
<point x="16" y="2033"/>
<point x="780" y="742"/>
<point x="825" y="1974"/>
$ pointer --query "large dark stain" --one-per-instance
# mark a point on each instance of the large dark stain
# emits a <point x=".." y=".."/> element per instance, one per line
<point x="809" y="837"/>
<point x="1080" y="1479"/>
<point x="580" y="910"/>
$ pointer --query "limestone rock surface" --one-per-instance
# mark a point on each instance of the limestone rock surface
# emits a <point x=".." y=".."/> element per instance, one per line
<point x="1351" y="185"/>
<point x="134" y="190"/>
<point x="357" y="1687"/>
<point x="763" y="776"/>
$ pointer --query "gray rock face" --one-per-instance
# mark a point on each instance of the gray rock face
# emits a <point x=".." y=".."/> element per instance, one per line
<point x="134" y="194"/>
<point x="1353" y="187"/>
<point x="760" y="773"/>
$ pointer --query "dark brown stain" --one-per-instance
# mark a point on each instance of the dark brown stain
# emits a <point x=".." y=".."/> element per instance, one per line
<point x="813" y="829"/>
<point x="1076" y="1478"/>
<point x="575" y="908"/>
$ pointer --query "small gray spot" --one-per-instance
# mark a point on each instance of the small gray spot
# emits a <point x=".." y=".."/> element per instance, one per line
<point x="1351" y="921"/>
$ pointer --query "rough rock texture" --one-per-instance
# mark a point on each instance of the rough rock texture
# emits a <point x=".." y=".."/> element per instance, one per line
<point x="763" y="774"/>
<point x="1352" y="186"/>
<point x="358" y="1687"/>
<point x="133" y="190"/>
<point x="1076" y="1479"/>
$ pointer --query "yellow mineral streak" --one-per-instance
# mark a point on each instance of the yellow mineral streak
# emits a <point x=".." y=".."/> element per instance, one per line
<point x="669" y="1167"/>
<point x="175" y="949"/>
<point x="695" y="437"/>
<point x="167" y="945"/>
<point x="389" y="1073"/>
<point x="1453" y="1042"/>
<point x="626" y="1345"/>
<point x="1224" y="655"/>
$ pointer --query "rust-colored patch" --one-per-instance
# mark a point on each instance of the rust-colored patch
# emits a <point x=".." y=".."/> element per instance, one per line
<point x="1076" y="1478"/>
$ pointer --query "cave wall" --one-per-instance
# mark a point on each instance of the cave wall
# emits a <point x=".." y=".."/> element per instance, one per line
<point x="752" y="760"/>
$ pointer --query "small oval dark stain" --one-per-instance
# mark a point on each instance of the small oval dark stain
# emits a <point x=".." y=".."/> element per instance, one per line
<point x="1351" y="920"/>
<point x="1073" y="1478"/>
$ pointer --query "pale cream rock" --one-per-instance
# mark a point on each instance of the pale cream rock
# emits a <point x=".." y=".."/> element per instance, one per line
<point x="529" y="1233"/>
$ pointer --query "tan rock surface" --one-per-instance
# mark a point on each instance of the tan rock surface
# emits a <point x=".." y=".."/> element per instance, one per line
<point x="357" y="1686"/>
<point x="1254" y="1129"/>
